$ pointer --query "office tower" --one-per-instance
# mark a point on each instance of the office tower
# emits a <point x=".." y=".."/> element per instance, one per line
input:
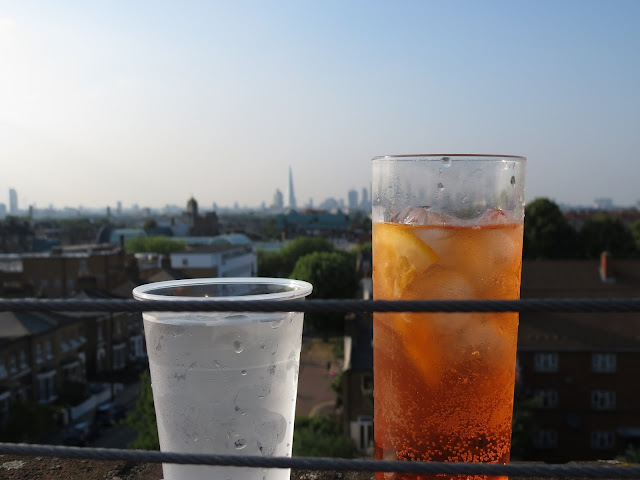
<point x="291" y="198"/>
<point x="13" y="201"/>
<point x="353" y="200"/>
<point x="365" y="204"/>
<point x="278" y="200"/>
<point x="3" y="210"/>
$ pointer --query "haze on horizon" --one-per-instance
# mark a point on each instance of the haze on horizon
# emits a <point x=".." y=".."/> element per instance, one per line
<point x="152" y="102"/>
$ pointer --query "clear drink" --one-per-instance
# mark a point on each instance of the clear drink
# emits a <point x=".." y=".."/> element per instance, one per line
<point x="444" y="381"/>
<point x="226" y="383"/>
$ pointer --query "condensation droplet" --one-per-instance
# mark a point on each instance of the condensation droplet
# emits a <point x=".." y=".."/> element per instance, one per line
<point x="446" y="161"/>
<point x="237" y="346"/>
<point x="243" y="372"/>
<point x="276" y="324"/>
<point x="513" y="181"/>
<point x="240" y="443"/>
<point x="440" y="186"/>
<point x="262" y="346"/>
<point x="465" y="199"/>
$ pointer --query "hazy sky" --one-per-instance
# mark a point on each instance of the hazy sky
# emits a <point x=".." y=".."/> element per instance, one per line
<point x="152" y="102"/>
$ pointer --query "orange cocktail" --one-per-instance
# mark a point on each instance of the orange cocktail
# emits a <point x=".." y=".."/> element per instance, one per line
<point x="444" y="382"/>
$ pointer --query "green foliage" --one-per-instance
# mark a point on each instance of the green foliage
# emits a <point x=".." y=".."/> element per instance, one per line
<point x="301" y="246"/>
<point x="547" y="234"/>
<point x="319" y="436"/>
<point x="155" y="244"/>
<point x="333" y="275"/>
<point x="605" y="233"/>
<point x="143" y="418"/>
<point x="635" y="233"/>
<point x="281" y="264"/>
<point x="336" y="384"/>
<point x="149" y="224"/>
<point x="363" y="247"/>
<point x="630" y="455"/>
<point x="29" y="421"/>
<point x="270" y="264"/>
<point x="522" y="425"/>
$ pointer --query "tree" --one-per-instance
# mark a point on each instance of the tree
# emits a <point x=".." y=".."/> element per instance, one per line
<point x="270" y="264"/>
<point x="274" y="264"/>
<point x="635" y="233"/>
<point x="301" y="246"/>
<point x="319" y="436"/>
<point x="143" y="417"/>
<point x="547" y="234"/>
<point x="606" y="233"/>
<point x="155" y="244"/>
<point x="149" y="224"/>
<point x="333" y="275"/>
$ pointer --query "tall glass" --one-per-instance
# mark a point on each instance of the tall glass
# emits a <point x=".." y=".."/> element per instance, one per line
<point x="224" y="382"/>
<point x="445" y="227"/>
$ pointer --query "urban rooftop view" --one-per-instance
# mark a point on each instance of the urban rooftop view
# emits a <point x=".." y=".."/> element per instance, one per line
<point x="212" y="140"/>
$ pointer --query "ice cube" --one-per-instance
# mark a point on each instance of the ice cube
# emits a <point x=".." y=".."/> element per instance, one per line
<point x="422" y="216"/>
<point x="497" y="216"/>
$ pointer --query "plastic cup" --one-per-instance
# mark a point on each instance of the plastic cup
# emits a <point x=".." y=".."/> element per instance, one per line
<point x="224" y="382"/>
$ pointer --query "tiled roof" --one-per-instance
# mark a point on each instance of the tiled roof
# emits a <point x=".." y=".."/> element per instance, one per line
<point x="20" y="324"/>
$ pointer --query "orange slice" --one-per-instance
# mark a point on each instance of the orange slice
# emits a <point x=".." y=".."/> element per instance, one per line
<point x="400" y="256"/>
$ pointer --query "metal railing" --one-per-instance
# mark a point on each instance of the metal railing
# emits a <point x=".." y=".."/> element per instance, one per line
<point x="326" y="306"/>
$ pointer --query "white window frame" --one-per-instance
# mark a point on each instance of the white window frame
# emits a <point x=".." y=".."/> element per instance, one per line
<point x="602" y="440"/>
<point x="603" y="399"/>
<point x="545" y="439"/>
<point x="136" y="347"/>
<point x="365" y="433"/>
<point x="545" y="362"/>
<point x="603" y="362"/>
<point x="548" y="396"/>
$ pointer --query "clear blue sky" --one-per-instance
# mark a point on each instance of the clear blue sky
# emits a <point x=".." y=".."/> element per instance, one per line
<point x="154" y="101"/>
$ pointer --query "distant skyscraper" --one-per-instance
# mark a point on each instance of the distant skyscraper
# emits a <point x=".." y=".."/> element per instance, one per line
<point x="13" y="201"/>
<point x="353" y="200"/>
<point x="291" y="198"/>
<point x="3" y="210"/>
<point x="365" y="204"/>
<point x="278" y="200"/>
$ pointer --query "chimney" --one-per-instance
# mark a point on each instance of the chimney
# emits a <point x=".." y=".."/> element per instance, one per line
<point x="606" y="267"/>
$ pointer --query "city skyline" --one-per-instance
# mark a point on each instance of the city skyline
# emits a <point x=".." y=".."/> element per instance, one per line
<point x="149" y="104"/>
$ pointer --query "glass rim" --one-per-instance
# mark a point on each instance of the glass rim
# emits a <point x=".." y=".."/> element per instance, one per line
<point x="299" y="288"/>
<point x="451" y="156"/>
